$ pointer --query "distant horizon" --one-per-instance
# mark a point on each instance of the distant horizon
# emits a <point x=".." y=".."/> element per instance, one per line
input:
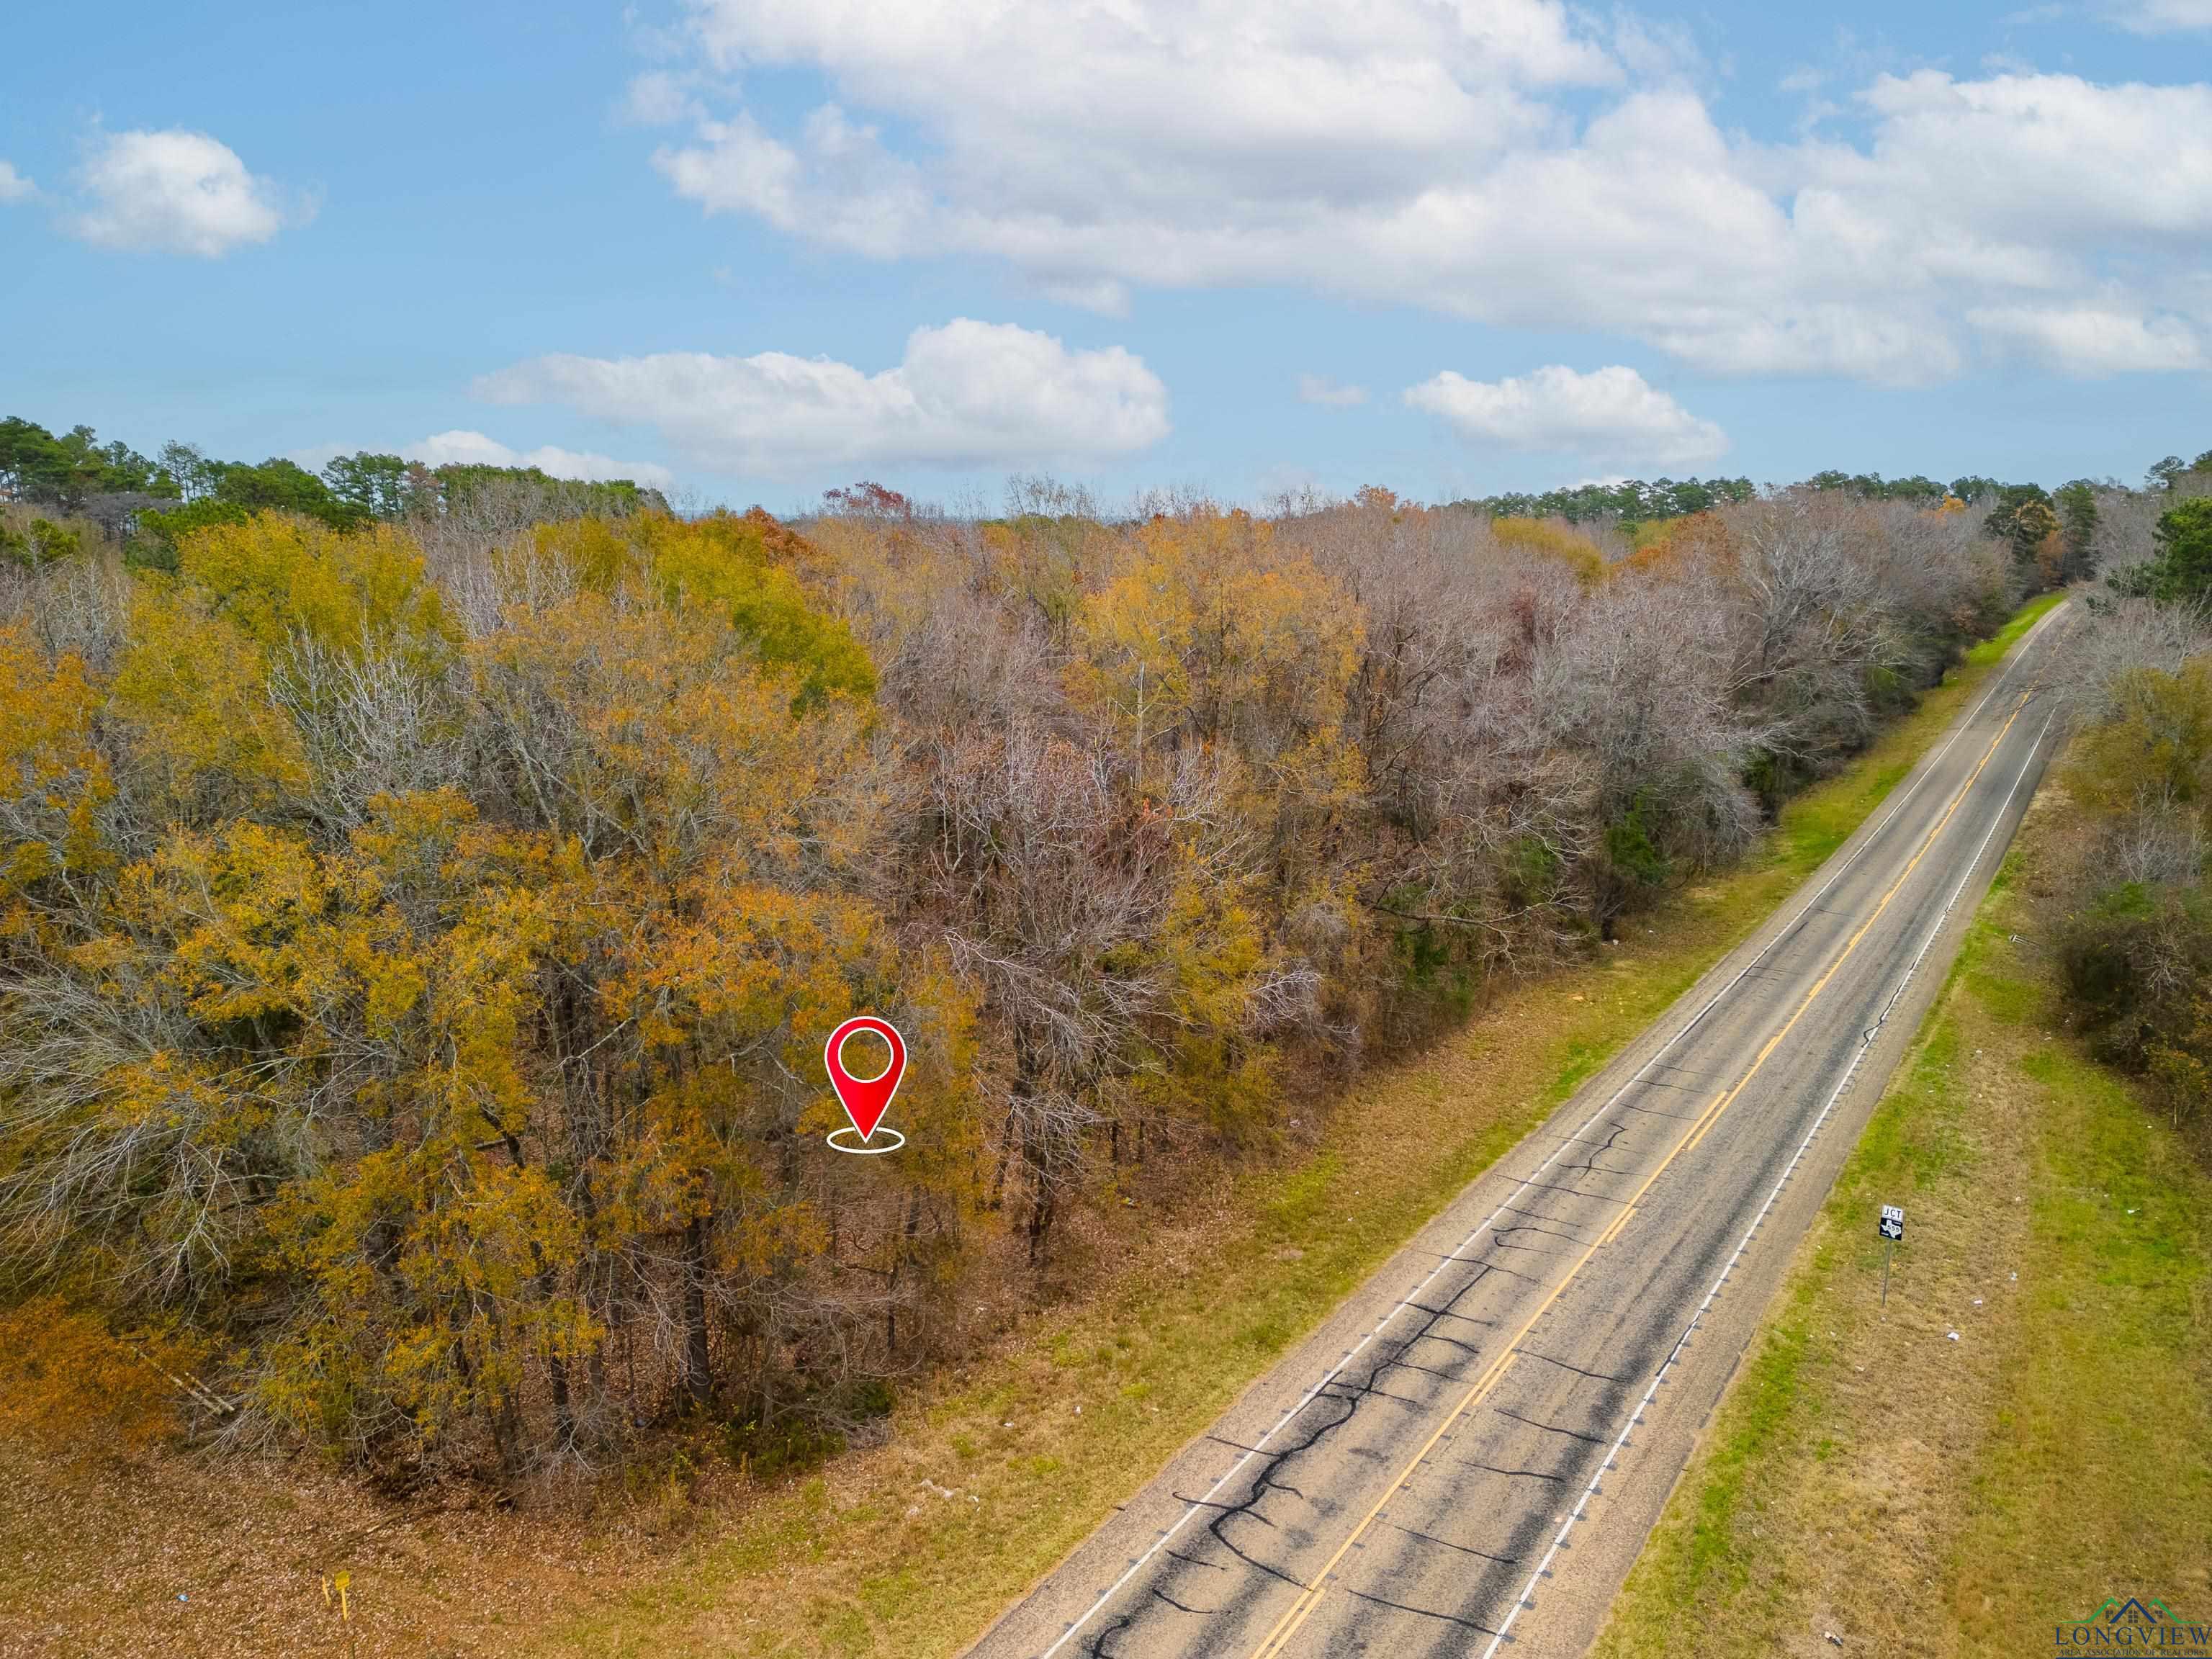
<point x="1139" y="503"/>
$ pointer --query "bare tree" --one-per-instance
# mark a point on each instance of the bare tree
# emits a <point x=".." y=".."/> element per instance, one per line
<point x="1641" y="686"/>
<point x="2118" y="638"/>
<point x="1049" y="879"/>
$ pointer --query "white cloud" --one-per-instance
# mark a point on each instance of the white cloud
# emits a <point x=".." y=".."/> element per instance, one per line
<point x="173" y="192"/>
<point x="14" y="186"/>
<point x="1330" y="394"/>
<point x="1426" y="152"/>
<point x="2092" y="343"/>
<point x="966" y="395"/>
<point x="659" y="99"/>
<point x="1609" y="416"/>
<point x="474" y="449"/>
<point x="2161" y="16"/>
<point x="848" y="191"/>
<point x="2032" y="164"/>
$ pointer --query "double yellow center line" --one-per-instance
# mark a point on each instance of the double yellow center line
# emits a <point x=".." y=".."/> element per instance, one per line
<point x="1309" y="1597"/>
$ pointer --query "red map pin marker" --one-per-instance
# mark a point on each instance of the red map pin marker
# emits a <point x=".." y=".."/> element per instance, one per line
<point x="864" y="1099"/>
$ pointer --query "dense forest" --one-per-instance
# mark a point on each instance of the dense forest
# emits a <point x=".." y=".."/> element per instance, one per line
<point x="424" y="895"/>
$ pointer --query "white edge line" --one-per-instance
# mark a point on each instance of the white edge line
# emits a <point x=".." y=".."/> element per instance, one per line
<point x="1920" y="775"/>
<point x="1867" y="1040"/>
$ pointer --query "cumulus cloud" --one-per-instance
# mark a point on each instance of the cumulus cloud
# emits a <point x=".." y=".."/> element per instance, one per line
<point x="474" y="449"/>
<point x="848" y="190"/>
<point x="173" y="191"/>
<point x="1509" y="163"/>
<point x="1330" y="394"/>
<point x="1608" y="417"/>
<point x="966" y="395"/>
<point x="2093" y="343"/>
<point x="14" y="186"/>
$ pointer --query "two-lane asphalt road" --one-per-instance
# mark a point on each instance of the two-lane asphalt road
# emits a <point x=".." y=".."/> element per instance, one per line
<point x="1475" y="1445"/>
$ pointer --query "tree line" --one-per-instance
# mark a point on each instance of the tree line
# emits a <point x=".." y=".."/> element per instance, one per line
<point x="2134" y="948"/>
<point x="1633" y="508"/>
<point x="1632" y="501"/>
<point x="148" y="505"/>
<point x="418" y="932"/>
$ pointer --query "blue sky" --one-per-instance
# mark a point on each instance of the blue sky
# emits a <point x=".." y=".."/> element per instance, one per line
<point x="1542" y="244"/>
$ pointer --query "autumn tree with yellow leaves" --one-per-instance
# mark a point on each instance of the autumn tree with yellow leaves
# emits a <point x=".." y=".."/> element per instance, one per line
<point x="433" y="1015"/>
<point x="417" y="940"/>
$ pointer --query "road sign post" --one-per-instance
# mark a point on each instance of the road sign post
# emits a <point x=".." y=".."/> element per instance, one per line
<point x="1891" y="1228"/>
